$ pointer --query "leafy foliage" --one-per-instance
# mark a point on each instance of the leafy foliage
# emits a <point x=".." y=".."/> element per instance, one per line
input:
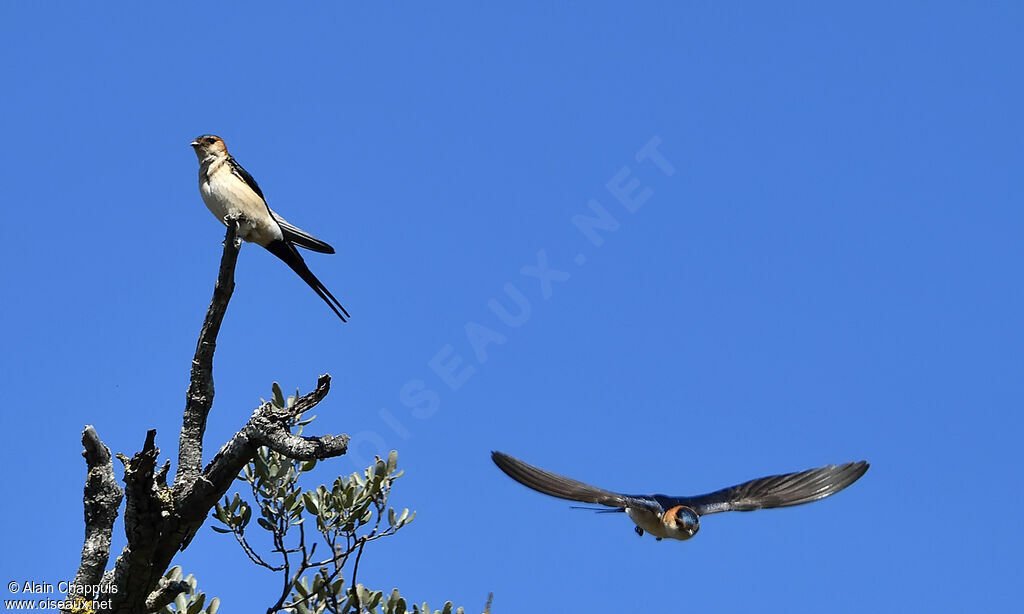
<point x="352" y="512"/>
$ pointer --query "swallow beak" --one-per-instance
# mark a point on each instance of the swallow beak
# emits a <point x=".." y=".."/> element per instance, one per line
<point x="195" y="143"/>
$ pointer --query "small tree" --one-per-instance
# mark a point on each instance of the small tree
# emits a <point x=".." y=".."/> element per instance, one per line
<point x="270" y="454"/>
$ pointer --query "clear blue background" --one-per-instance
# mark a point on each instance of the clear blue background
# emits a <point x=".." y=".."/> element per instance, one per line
<point x="832" y="273"/>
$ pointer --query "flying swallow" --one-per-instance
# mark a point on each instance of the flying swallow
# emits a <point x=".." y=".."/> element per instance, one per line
<point x="229" y="191"/>
<point x="679" y="517"/>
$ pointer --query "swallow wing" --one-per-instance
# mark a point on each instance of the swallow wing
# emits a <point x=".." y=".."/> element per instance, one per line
<point x="244" y="175"/>
<point x="557" y="485"/>
<point x="294" y="234"/>
<point x="776" y="490"/>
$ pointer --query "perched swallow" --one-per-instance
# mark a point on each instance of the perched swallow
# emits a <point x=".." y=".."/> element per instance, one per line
<point x="229" y="191"/>
<point x="679" y="517"/>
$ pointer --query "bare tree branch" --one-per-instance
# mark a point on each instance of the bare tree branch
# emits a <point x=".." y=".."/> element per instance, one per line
<point x="136" y="572"/>
<point x="102" y="499"/>
<point x="266" y="424"/>
<point x="302" y="448"/>
<point x="199" y="398"/>
<point x="271" y="428"/>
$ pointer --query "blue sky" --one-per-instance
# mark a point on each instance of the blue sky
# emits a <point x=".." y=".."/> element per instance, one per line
<point x="831" y="273"/>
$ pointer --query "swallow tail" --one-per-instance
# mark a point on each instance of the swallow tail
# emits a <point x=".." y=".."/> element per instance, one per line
<point x="597" y="510"/>
<point x="554" y="484"/>
<point x="287" y="252"/>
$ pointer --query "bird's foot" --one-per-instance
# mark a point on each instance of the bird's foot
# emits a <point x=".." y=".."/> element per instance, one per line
<point x="242" y="223"/>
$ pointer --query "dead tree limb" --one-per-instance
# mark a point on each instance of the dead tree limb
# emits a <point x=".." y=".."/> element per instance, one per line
<point x="199" y="398"/>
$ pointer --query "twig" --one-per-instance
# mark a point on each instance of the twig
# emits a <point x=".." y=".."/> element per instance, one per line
<point x="251" y="553"/>
<point x="355" y="572"/>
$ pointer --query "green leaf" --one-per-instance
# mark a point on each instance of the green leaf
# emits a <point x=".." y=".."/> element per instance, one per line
<point x="260" y="467"/>
<point x="266" y="525"/>
<point x="197" y="606"/>
<point x="214" y="606"/>
<point x="220" y="529"/>
<point x="312" y="505"/>
<point x="278" y="395"/>
<point x="374" y="599"/>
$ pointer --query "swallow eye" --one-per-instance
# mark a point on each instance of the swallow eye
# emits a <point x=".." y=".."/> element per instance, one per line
<point x="210" y="140"/>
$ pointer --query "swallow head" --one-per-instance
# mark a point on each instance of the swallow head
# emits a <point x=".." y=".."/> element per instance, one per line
<point x="209" y="145"/>
<point x="681" y="522"/>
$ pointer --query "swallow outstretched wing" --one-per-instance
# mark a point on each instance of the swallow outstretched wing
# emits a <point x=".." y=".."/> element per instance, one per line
<point x="767" y="492"/>
<point x="563" y="487"/>
<point x="774" y="491"/>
